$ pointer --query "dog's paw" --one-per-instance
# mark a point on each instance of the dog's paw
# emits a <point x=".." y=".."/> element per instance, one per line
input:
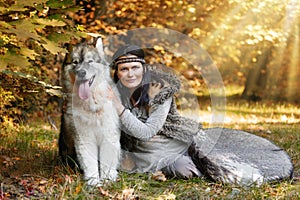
<point x="113" y="175"/>
<point x="93" y="182"/>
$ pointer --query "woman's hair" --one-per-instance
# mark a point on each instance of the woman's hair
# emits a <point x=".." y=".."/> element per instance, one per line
<point x="140" y="95"/>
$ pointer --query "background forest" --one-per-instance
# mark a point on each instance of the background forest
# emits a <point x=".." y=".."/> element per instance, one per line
<point x="254" y="44"/>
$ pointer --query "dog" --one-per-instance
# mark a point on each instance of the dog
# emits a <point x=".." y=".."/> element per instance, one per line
<point x="97" y="135"/>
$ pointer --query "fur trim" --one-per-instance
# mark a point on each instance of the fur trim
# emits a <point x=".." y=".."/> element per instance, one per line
<point x="179" y="127"/>
<point x="170" y="88"/>
<point x="176" y="126"/>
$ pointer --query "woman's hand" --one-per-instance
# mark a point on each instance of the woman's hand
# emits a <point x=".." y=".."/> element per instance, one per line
<point x="115" y="99"/>
<point x="154" y="89"/>
<point x="110" y="94"/>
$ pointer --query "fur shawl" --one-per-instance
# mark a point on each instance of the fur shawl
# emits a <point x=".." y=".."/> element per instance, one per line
<point x="176" y="126"/>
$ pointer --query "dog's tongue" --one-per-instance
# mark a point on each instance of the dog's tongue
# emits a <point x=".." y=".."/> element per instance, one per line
<point x="83" y="90"/>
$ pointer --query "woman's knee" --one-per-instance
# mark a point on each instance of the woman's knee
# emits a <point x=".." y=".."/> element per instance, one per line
<point x="183" y="168"/>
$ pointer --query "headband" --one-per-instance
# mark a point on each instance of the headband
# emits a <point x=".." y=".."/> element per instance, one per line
<point x="128" y="60"/>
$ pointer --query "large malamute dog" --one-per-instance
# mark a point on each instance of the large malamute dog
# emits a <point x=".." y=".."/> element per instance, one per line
<point x="97" y="137"/>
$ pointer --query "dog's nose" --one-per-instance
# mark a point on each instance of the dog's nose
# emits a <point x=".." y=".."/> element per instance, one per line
<point x="81" y="73"/>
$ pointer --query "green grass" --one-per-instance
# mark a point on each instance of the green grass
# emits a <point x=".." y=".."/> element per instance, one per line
<point x="29" y="165"/>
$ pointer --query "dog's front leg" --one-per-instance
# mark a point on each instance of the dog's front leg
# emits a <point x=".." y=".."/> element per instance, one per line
<point x="88" y="159"/>
<point x="109" y="156"/>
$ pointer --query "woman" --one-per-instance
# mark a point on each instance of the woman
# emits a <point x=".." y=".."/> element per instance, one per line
<point x="155" y="136"/>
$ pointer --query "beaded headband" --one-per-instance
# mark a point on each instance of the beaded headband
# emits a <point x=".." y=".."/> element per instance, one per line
<point x="128" y="60"/>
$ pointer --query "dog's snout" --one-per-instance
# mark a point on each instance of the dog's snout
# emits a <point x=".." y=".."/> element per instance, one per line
<point x="81" y="73"/>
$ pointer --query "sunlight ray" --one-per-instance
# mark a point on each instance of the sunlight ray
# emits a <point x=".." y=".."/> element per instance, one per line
<point x="283" y="27"/>
<point x="292" y="33"/>
<point x="294" y="68"/>
<point x="219" y="31"/>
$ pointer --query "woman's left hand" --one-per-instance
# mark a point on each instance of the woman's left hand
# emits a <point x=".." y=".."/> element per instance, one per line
<point x="154" y="89"/>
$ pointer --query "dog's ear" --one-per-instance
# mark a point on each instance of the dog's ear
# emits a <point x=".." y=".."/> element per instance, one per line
<point x="99" y="47"/>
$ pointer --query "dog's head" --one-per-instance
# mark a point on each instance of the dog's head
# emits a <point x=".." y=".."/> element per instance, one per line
<point x="86" y="61"/>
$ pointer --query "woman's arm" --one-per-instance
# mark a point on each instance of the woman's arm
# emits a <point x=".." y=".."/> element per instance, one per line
<point x="145" y="130"/>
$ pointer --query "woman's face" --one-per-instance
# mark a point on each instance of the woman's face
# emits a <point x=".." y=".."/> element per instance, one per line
<point x="130" y="74"/>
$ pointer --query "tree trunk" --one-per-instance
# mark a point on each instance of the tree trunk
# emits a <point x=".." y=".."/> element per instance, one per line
<point x="256" y="81"/>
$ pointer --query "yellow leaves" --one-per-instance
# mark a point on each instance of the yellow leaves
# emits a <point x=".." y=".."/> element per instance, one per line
<point x="50" y="89"/>
<point x="33" y="27"/>
<point x="80" y="27"/>
<point x="11" y="58"/>
<point x="78" y="188"/>
<point x="251" y="41"/>
<point x="53" y="47"/>
<point x="4" y="25"/>
<point x="170" y="23"/>
<point x="24" y="32"/>
<point x="159" y="48"/>
<point x="169" y="3"/>
<point x="235" y="59"/>
<point x="254" y="27"/>
<point x="6" y="98"/>
<point x="156" y="25"/>
<point x="268" y="38"/>
<point x="31" y="54"/>
<point x="191" y="9"/>
<point x="24" y="3"/>
<point x="195" y="32"/>
<point x="240" y="74"/>
<point x="259" y="34"/>
<point x="50" y="22"/>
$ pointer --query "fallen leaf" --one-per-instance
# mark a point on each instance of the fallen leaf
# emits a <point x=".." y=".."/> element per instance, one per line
<point x="158" y="176"/>
<point x="128" y="194"/>
<point x="43" y="182"/>
<point x="167" y="197"/>
<point x="78" y="189"/>
<point x="104" y="192"/>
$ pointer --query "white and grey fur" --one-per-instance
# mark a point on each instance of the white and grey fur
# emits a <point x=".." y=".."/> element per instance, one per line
<point x="97" y="141"/>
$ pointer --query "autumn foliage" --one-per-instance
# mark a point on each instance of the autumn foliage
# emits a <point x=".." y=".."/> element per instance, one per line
<point x="253" y="48"/>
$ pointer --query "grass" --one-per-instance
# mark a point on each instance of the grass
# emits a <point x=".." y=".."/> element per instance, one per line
<point x="30" y="167"/>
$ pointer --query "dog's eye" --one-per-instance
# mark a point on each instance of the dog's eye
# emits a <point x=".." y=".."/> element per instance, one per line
<point x="90" y="61"/>
<point x="75" y="62"/>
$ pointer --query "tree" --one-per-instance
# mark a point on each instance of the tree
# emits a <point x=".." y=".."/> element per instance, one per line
<point x="32" y="36"/>
<point x="243" y="38"/>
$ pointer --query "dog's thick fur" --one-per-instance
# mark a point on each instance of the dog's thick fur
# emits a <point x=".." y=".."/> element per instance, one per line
<point x="97" y="135"/>
<point x="66" y="145"/>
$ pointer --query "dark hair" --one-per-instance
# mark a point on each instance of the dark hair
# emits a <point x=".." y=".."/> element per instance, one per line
<point x="140" y="95"/>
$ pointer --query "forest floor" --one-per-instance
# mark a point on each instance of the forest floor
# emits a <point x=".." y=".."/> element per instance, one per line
<point x="30" y="168"/>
